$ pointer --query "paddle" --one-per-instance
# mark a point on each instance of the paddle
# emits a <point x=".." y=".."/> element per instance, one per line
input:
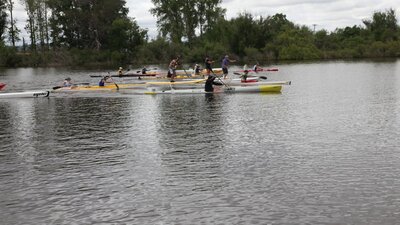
<point x="116" y="85"/>
<point x="227" y="86"/>
<point x="186" y="73"/>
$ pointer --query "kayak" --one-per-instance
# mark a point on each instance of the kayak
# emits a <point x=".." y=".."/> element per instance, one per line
<point x="26" y="94"/>
<point x="2" y="86"/>
<point x="248" y="80"/>
<point x="202" y="72"/>
<point x="129" y="75"/>
<point x="259" y="70"/>
<point x="176" y="82"/>
<point x="110" y="87"/>
<point x="222" y="89"/>
<point x="253" y="81"/>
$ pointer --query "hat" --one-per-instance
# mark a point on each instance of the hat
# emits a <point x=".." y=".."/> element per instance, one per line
<point x="120" y="68"/>
<point x="226" y="56"/>
<point x="68" y="78"/>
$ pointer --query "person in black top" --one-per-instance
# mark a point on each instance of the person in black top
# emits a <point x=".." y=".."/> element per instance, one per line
<point x="197" y="69"/>
<point x="208" y="63"/>
<point x="144" y="70"/>
<point x="208" y="87"/>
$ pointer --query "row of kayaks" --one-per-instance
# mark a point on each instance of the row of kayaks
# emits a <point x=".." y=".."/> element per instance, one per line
<point x="183" y="84"/>
<point x="185" y="87"/>
<point x="263" y="88"/>
<point x="189" y="73"/>
<point x="188" y="86"/>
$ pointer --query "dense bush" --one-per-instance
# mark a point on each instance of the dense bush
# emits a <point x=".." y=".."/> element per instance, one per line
<point x="245" y="38"/>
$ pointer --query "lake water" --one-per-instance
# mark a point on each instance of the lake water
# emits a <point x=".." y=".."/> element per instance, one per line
<point x="324" y="151"/>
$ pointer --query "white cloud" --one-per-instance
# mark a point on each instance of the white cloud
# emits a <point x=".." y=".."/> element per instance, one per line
<point x="327" y="14"/>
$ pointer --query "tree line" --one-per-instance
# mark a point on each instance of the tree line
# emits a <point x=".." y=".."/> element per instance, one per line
<point x="100" y="33"/>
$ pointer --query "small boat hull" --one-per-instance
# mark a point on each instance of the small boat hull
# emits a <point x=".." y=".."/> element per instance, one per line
<point x="2" y="86"/>
<point x="111" y="87"/>
<point x="259" y="70"/>
<point x="129" y="75"/>
<point x="26" y="94"/>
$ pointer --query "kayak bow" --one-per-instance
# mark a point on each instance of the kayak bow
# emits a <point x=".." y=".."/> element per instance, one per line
<point x="26" y="94"/>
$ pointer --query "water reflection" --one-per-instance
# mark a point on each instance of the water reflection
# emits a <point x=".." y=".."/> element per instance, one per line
<point x="190" y="130"/>
<point x="324" y="149"/>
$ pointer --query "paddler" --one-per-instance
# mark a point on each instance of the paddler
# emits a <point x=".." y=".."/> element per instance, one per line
<point x="208" y="63"/>
<point x="102" y="81"/>
<point x="208" y="87"/>
<point x="144" y="70"/>
<point x="120" y="71"/>
<point x="197" y="69"/>
<point x="256" y="68"/>
<point x="172" y="68"/>
<point x="225" y="64"/>
<point x="67" y="82"/>
<point x="246" y="72"/>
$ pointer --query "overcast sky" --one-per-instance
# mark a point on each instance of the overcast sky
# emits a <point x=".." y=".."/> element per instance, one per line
<point x="326" y="14"/>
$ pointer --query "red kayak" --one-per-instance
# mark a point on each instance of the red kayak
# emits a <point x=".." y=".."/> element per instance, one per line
<point x="2" y="85"/>
<point x="249" y="80"/>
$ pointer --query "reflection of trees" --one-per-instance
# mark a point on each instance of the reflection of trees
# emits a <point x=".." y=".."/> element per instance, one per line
<point x="95" y="122"/>
<point x="189" y="131"/>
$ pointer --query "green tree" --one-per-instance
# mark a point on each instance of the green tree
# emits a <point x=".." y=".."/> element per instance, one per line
<point x="179" y="19"/>
<point x="297" y="43"/>
<point x="3" y="19"/>
<point x="125" y="35"/>
<point x="13" y="31"/>
<point x="208" y="13"/>
<point x="84" y="24"/>
<point x="383" y="26"/>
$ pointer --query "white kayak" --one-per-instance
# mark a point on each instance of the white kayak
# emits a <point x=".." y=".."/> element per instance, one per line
<point x="255" y="81"/>
<point x="220" y="89"/>
<point x="25" y="94"/>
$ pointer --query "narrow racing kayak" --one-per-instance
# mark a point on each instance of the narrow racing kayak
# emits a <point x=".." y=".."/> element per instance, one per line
<point x="25" y="94"/>
<point x="176" y="82"/>
<point x="129" y="75"/>
<point x="2" y="86"/>
<point x="260" y="70"/>
<point x="202" y="72"/>
<point x="111" y="86"/>
<point x="253" y="82"/>
<point x="222" y="89"/>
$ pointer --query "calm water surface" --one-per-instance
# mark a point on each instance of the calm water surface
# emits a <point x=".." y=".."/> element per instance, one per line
<point x="324" y="151"/>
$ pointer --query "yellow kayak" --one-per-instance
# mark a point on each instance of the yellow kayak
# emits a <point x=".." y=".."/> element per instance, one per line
<point x="110" y="86"/>
<point x="222" y="89"/>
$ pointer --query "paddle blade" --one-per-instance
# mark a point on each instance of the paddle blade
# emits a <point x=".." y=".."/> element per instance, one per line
<point x="263" y="77"/>
<point x="57" y="87"/>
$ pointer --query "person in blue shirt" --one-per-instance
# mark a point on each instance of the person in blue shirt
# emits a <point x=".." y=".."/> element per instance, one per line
<point x="102" y="81"/>
<point x="225" y="64"/>
<point x="67" y="82"/>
